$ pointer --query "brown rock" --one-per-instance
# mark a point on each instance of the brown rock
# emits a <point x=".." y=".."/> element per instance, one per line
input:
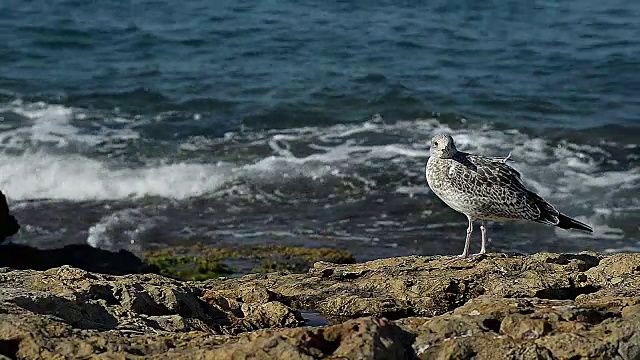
<point x="420" y="285"/>
<point x="177" y="323"/>
<point x="544" y="306"/>
<point x="272" y="314"/>
<point x="523" y="327"/>
<point x="364" y="338"/>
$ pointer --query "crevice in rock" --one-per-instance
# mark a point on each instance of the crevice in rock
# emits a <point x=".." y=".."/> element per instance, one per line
<point x="492" y="324"/>
<point x="459" y="293"/>
<point x="566" y="293"/>
<point x="389" y="315"/>
<point x="342" y="275"/>
<point x="590" y="261"/>
<point x="399" y="314"/>
<point x="353" y="275"/>
<point x="104" y="292"/>
<point x="10" y="347"/>
<point x="320" y="342"/>
<point x="593" y="317"/>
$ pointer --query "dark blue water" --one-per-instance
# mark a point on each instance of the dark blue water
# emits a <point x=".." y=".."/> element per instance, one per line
<point x="131" y="123"/>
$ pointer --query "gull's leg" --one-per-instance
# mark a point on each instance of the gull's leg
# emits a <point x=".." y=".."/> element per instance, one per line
<point x="465" y="252"/>
<point x="483" y="230"/>
<point x="483" y="249"/>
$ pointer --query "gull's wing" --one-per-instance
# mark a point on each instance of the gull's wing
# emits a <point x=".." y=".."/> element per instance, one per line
<point x="496" y="170"/>
<point x="499" y="190"/>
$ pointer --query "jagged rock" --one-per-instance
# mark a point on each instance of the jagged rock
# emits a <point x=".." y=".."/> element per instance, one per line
<point x="490" y="328"/>
<point x="80" y="256"/>
<point x="423" y="286"/>
<point x="543" y="306"/>
<point x="177" y="323"/>
<point x="253" y="308"/>
<point x="364" y="338"/>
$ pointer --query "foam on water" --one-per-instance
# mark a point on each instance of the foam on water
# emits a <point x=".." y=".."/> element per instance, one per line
<point x="77" y="177"/>
<point x="569" y="175"/>
<point x="572" y="176"/>
<point x="54" y="125"/>
<point x="74" y="177"/>
<point x="601" y="230"/>
<point x="623" y="249"/>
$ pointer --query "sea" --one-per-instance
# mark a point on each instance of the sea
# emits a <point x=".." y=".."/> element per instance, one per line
<point x="136" y="124"/>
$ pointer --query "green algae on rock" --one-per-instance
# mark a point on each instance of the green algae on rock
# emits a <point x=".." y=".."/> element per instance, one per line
<point x="201" y="262"/>
<point x="189" y="267"/>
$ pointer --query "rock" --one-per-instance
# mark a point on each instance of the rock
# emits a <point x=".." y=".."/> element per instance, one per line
<point x="523" y="327"/>
<point x="8" y="224"/>
<point x="423" y="286"/>
<point x="251" y="308"/>
<point x="271" y="315"/>
<point x="80" y="256"/>
<point x="543" y="306"/>
<point x="177" y="323"/>
<point x="364" y="338"/>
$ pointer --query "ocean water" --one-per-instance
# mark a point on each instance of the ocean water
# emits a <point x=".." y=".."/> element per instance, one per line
<point x="144" y="123"/>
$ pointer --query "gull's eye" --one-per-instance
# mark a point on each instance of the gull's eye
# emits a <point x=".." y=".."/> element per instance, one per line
<point x="435" y="143"/>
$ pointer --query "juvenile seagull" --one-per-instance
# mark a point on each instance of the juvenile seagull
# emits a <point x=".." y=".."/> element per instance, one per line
<point x="485" y="188"/>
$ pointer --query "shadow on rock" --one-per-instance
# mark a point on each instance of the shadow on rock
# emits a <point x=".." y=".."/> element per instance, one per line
<point x="82" y="256"/>
<point x="82" y="316"/>
<point x="79" y="256"/>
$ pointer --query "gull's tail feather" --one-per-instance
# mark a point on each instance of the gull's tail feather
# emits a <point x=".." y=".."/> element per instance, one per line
<point x="565" y="222"/>
<point x="549" y="215"/>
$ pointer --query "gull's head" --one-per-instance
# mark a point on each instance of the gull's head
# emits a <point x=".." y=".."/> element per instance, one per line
<point x="442" y="146"/>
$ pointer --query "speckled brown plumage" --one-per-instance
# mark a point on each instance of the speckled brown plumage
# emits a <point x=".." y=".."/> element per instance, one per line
<point x="485" y="188"/>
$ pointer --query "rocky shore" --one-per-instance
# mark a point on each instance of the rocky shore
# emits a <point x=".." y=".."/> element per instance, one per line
<point x="542" y="306"/>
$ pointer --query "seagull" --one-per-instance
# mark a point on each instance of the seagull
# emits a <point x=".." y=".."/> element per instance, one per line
<point x="486" y="188"/>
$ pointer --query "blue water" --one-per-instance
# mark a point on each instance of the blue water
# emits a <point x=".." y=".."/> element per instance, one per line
<point x="138" y="123"/>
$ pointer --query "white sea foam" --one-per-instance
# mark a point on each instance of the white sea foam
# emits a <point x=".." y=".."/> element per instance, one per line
<point x="54" y="125"/>
<point x="570" y="175"/>
<point x="623" y="249"/>
<point x="601" y="230"/>
<point x="73" y="177"/>
<point x="76" y="177"/>
<point x="119" y="228"/>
